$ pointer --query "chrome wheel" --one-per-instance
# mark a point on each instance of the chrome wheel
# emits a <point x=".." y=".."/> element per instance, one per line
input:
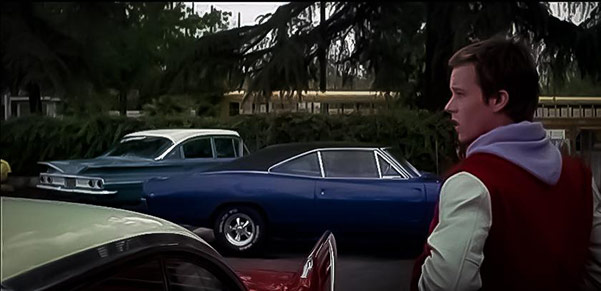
<point x="239" y="229"/>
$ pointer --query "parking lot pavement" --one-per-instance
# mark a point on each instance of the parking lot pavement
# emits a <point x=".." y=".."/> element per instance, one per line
<point x="364" y="267"/>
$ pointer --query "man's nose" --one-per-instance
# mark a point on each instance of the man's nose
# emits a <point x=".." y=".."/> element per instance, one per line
<point x="450" y="107"/>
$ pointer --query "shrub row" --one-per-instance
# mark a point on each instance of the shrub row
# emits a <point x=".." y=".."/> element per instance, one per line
<point x="420" y="136"/>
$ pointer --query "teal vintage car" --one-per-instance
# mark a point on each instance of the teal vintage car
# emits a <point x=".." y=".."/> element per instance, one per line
<point x="116" y="177"/>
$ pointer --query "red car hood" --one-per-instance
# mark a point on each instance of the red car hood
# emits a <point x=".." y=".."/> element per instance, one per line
<point x="268" y="280"/>
<point x="316" y="273"/>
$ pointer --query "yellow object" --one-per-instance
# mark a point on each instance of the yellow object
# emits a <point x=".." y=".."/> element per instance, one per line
<point x="4" y="170"/>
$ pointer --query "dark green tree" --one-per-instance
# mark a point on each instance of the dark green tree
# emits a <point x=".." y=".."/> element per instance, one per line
<point x="404" y="46"/>
<point x="78" y="49"/>
<point x="37" y="54"/>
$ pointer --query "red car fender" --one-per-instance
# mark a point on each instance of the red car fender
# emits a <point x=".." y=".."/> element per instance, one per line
<point x="317" y="273"/>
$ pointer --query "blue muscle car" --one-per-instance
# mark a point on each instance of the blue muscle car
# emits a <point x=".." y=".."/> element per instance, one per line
<point x="115" y="178"/>
<point x="296" y="190"/>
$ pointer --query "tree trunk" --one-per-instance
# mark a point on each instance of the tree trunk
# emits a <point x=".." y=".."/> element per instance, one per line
<point x="35" y="98"/>
<point x="123" y="102"/>
<point x="439" y="48"/>
<point x="322" y="47"/>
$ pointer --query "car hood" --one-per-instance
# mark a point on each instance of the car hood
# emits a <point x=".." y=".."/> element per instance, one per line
<point x="81" y="166"/>
<point x="269" y="280"/>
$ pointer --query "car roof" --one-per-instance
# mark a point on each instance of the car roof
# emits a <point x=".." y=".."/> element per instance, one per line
<point x="263" y="159"/>
<point x="37" y="232"/>
<point x="178" y="135"/>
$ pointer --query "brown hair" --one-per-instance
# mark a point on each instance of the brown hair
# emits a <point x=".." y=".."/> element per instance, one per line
<point x="504" y="64"/>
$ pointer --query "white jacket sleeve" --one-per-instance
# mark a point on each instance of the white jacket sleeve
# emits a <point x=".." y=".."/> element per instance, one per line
<point x="457" y="242"/>
<point x="592" y="280"/>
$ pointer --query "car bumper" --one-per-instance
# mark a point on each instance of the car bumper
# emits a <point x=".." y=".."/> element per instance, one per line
<point x="79" y="191"/>
<point x="112" y="198"/>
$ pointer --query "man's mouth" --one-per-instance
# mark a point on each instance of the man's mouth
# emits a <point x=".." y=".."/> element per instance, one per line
<point x="454" y="122"/>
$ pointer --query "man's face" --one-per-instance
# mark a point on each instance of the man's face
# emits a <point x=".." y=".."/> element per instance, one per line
<point x="470" y="114"/>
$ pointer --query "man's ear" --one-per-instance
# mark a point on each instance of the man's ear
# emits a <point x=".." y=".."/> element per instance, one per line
<point x="498" y="101"/>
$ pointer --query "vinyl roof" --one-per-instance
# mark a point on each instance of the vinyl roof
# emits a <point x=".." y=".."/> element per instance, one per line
<point x="263" y="159"/>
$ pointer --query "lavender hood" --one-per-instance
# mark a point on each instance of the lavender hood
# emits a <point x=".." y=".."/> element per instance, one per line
<point x="525" y="144"/>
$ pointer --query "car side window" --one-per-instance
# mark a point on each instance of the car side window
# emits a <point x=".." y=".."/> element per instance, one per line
<point x="186" y="276"/>
<point x="225" y="147"/>
<point x="307" y="165"/>
<point x="198" y="148"/>
<point x="349" y="164"/>
<point x="387" y="169"/>
<point x="147" y="275"/>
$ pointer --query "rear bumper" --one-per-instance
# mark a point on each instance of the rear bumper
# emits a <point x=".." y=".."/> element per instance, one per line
<point x="79" y="191"/>
<point x="110" y="198"/>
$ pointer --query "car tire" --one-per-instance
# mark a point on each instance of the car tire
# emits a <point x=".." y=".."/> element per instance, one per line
<point x="239" y="230"/>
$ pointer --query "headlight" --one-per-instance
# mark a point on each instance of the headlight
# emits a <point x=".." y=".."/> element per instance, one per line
<point x="42" y="179"/>
<point x="49" y="180"/>
<point x="99" y="184"/>
<point x="91" y="183"/>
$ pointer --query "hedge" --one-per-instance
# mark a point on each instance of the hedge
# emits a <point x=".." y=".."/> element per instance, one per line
<point x="417" y="134"/>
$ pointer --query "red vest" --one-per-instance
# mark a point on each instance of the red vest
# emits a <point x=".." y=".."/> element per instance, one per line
<point x="540" y="234"/>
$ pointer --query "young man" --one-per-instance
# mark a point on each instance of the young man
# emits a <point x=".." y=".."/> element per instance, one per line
<point x="514" y="214"/>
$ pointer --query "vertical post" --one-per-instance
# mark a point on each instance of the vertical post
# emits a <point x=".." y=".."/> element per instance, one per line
<point x="322" y="46"/>
<point x="213" y="25"/>
<point x="7" y="106"/>
<point x="193" y="13"/>
<point x="238" y="19"/>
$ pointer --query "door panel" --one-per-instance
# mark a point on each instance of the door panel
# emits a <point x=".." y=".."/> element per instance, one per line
<point x="371" y="205"/>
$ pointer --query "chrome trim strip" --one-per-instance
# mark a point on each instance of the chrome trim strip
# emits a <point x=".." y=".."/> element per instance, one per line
<point x="398" y="168"/>
<point x="168" y="150"/>
<point x="333" y="255"/>
<point x="413" y="168"/>
<point x="290" y="159"/>
<point x="323" y="172"/>
<point x="213" y="147"/>
<point x="361" y="149"/>
<point x="232" y="172"/>
<point x="78" y="181"/>
<point x="71" y="176"/>
<point x="395" y="164"/>
<point x="80" y="191"/>
<point x="126" y="182"/>
<point x="378" y="164"/>
<point x="316" y="150"/>
<point x="295" y="175"/>
<point x="259" y="172"/>
<point x="307" y="267"/>
<point x="404" y="173"/>
<point x="285" y="174"/>
<point x="51" y="166"/>
<point x="385" y="153"/>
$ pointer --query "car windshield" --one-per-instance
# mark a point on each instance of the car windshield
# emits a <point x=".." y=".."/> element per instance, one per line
<point x="148" y="147"/>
